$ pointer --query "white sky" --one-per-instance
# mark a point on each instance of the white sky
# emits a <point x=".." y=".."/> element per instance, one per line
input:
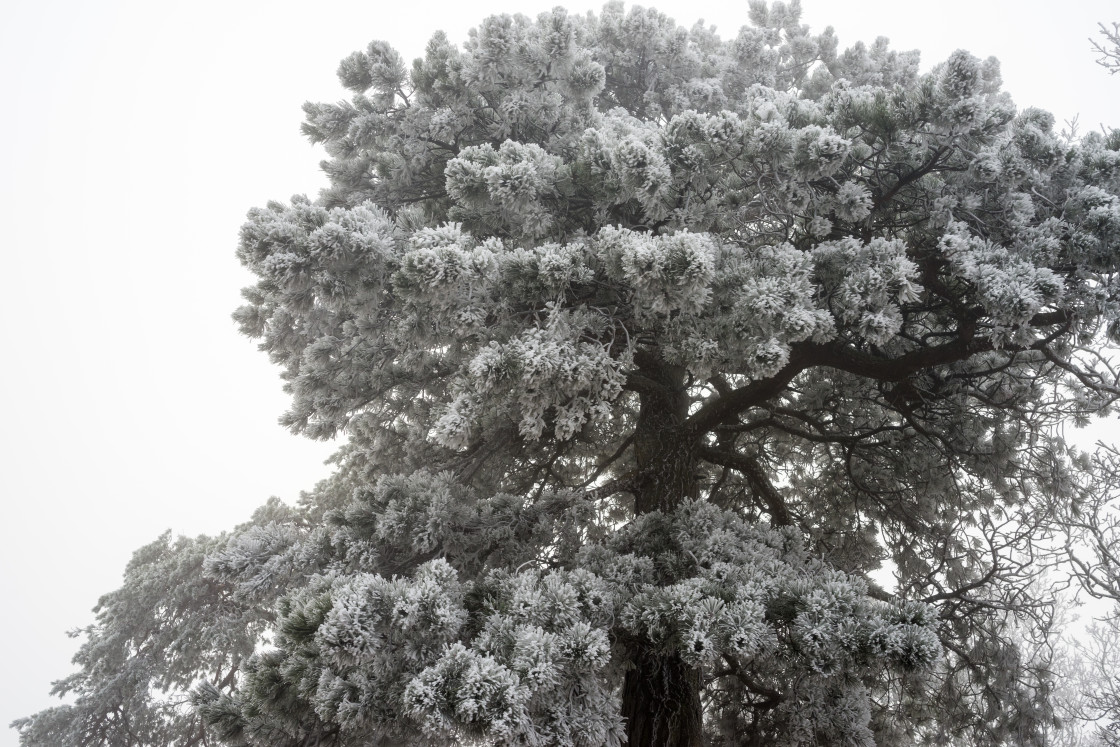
<point x="135" y="135"/>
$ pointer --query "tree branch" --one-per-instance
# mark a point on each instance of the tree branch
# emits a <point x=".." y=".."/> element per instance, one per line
<point x="759" y="481"/>
<point x="843" y="358"/>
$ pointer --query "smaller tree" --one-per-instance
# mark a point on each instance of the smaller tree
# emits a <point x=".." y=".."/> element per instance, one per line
<point x="1093" y="546"/>
<point x="170" y="626"/>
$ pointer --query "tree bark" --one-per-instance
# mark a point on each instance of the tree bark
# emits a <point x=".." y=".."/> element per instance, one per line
<point x="661" y="703"/>
<point x="661" y="694"/>
<point x="665" y="451"/>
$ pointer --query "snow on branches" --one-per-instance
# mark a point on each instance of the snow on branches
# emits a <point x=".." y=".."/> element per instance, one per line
<point x="648" y="348"/>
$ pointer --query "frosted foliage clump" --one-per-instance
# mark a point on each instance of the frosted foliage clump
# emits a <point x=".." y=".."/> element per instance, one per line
<point x="866" y="284"/>
<point x="368" y="637"/>
<point x="1010" y="286"/>
<point x="547" y="634"/>
<point x="772" y="299"/>
<point x="422" y="612"/>
<point x="468" y="693"/>
<point x="542" y="371"/>
<point x="625" y="156"/>
<point x="668" y="274"/>
<point x="507" y="184"/>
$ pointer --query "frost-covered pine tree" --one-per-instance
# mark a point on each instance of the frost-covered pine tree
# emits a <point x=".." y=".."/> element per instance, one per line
<point x="648" y="348"/>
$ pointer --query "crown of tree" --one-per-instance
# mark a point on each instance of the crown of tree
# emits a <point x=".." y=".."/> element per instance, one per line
<point x="649" y="347"/>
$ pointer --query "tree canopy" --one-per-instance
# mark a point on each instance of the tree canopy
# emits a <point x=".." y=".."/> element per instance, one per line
<point x="649" y="348"/>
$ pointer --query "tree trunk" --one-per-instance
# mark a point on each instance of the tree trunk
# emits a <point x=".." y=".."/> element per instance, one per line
<point x="661" y="694"/>
<point x="661" y="703"/>
<point x="665" y="453"/>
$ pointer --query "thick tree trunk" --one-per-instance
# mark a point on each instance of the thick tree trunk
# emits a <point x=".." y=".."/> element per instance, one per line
<point x="661" y="694"/>
<point x="665" y="453"/>
<point x="661" y="703"/>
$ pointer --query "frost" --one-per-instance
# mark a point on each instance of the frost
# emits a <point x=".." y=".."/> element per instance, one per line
<point x="866" y="283"/>
<point x="1011" y="288"/>
<point x="644" y="349"/>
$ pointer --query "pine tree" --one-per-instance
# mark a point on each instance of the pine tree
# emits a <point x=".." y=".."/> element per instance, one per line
<point x="649" y="347"/>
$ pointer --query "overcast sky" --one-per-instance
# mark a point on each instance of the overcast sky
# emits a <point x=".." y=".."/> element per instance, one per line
<point x="135" y="135"/>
